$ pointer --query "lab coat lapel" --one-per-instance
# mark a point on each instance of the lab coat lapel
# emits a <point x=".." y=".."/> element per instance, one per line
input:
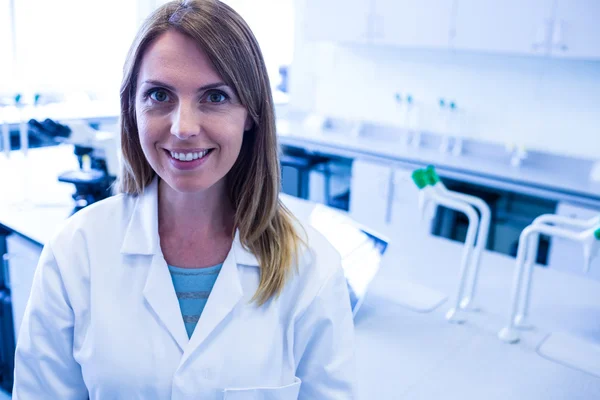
<point x="160" y="295"/>
<point x="223" y="298"/>
<point x="142" y="240"/>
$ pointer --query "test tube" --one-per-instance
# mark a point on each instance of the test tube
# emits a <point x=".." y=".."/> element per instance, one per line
<point x="443" y="127"/>
<point x="455" y="128"/>
<point x="413" y="121"/>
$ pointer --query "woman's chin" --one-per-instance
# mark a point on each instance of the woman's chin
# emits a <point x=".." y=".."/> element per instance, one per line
<point x="189" y="185"/>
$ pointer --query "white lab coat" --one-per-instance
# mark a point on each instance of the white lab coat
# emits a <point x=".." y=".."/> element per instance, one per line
<point x="103" y="320"/>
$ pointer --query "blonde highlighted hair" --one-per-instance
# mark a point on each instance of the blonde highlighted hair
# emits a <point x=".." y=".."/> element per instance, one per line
<point x="266" y="227"/>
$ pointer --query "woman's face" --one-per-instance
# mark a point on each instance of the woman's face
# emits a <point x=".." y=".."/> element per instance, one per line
<point x="191" y="124"/>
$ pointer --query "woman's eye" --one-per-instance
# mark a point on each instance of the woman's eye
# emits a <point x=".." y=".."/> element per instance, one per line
<point x="216" y="98"/>
<point x="159" y="96"/>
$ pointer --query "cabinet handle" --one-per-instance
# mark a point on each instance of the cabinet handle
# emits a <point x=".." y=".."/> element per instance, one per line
<point x="390" y="199"/>
<point x="5" y="271"/>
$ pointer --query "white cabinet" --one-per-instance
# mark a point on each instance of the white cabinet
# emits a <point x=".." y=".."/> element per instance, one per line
<point x="412" y="23"/>
<point x="385" y="199"/>
<point x="370" y="194"/>
<point x="566" y="255"/>
<point x="561" y="28"/>
<point x="336" y="20"/>
<point x="405" y="214"/>
<point x="22" y="257"/>
<point x="509" y="26"/>
<point x="576" y="29"/>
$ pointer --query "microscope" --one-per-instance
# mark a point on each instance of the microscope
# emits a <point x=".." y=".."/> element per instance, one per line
<point x="96" y="152"/>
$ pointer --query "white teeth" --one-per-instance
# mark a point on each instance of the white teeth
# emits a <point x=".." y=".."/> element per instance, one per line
<point x="188" y="156"/>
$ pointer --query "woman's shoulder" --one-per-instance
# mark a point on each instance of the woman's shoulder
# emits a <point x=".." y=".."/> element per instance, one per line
<point x="101" y="216"/>
<point x="318" y="270"/>
<point x="318" y="261"/>
<point x="317" y="255"/>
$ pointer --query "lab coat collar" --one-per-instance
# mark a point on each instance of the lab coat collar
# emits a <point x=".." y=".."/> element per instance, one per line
<point x="242" y="256"/>
<point x="141" y="236"/>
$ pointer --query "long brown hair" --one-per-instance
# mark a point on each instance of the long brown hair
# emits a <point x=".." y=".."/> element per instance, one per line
<point x="266" y="227"/>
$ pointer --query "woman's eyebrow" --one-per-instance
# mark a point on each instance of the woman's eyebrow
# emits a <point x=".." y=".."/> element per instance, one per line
<point x="200" y="89"/>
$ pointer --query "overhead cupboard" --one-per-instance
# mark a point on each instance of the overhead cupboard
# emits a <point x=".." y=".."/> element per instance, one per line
<point x="555" y="28"/>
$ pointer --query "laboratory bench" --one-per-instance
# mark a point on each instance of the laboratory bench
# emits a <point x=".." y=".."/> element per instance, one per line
<point x="544" y="175"/>
<point x="380" y="186"/>
<point x="405" y="348"/>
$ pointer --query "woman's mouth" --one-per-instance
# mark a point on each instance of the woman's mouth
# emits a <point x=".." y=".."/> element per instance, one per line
<point x="189" y="156"/>
<point x="187" y="160"/>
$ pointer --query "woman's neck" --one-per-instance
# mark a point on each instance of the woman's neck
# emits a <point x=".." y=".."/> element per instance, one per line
<point x="206" y="214"/>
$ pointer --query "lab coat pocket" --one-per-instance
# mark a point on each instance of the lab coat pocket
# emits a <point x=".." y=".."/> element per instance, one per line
<point x="289" y="392"/>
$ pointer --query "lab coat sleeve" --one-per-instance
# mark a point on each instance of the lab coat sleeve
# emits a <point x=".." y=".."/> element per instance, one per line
<point x="44" y="364"/>
<point x="324" y="344"/>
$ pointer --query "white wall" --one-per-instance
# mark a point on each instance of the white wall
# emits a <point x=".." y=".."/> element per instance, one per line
<point x="544" y="104"/>
<point x="272" y="23"/>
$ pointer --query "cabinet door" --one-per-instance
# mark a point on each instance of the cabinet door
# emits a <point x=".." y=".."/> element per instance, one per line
<point x="566" y="255"/>
<point x="412" y="23"/>
<point x="370" y="195"/>
<point x="336" y="20"/>
<point x="405" y="213"/>
<point x="576" y="31"/>
<point x="509" y="26"/>
<point x="23" y="257"/>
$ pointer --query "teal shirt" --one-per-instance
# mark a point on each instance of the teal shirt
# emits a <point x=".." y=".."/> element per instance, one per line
<point x="193" y="286"/>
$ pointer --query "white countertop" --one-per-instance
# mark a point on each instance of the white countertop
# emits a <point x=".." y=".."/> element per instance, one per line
<point x="403" y="354"/>
<point x="32" y="201"/>
<point x="542" y="175"/>
<point x="408" y="355"/>
<point x="81" y="109"/>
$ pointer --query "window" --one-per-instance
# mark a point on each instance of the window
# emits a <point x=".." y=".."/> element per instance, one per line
<point x="72" y="45"/>
<point x="79" y="46"/>
<point x="6" y="49"/>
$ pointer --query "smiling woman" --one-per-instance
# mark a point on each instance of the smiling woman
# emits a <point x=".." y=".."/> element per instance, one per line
<point x="196" y="281"/>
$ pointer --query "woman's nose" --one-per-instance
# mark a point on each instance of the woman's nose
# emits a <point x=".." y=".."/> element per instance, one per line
<point x="186" y="121"/>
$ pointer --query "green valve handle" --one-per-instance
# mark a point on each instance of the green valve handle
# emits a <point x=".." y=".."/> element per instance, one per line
<point x="597" y="234"/>
<point x="419" y="178"/>
<point x="431" y="176"/>
<point x="427" y="177"/>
